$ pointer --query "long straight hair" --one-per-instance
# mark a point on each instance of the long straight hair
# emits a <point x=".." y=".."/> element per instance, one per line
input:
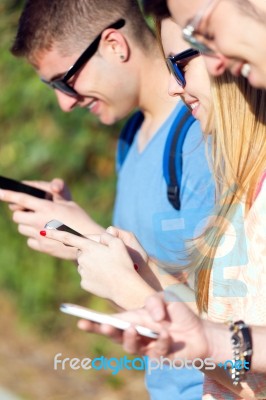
<point x="239" y="159"/>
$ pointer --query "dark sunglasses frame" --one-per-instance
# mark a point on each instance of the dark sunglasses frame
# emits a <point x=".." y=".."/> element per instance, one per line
<point x="181" y="59"/>
<point x="61" y="83"/>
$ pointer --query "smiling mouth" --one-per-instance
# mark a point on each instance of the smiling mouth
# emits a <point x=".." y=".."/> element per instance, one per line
<point x="240" y="68"/>
<point x="194" y="105"/>
<point x="92" y="104"/>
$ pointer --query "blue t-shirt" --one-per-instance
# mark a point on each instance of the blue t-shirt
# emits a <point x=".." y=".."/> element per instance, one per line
<point x="142" y="207"/>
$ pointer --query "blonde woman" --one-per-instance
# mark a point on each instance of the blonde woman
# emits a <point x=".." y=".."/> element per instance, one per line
<point x="231" y="255"/>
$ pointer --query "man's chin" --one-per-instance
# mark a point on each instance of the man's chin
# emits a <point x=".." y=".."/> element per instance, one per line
<point x="107" y="119"/>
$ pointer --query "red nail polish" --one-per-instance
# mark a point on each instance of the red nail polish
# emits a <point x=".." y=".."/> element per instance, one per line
<point x="43" y="233"/>
<point x="136" y="267"/>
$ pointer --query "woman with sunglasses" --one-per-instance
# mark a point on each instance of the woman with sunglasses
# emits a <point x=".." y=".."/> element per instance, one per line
<point x="230" y="255"/>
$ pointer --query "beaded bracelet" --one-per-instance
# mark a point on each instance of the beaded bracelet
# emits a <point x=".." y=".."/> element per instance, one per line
<point x="242" y="350"/>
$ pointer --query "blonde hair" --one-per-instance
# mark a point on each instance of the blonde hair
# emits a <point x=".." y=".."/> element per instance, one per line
<point x="239" y="159"/>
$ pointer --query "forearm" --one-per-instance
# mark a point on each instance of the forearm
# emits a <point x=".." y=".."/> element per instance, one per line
<point x="90" y="227"/>
<point x="159" y="278"/>
<point x="170" y="284"/>
<point x="219" y="339"/>
<point x="133" y="294"/>
<point x="223" y="378"/>
<point x="258" y="335"/>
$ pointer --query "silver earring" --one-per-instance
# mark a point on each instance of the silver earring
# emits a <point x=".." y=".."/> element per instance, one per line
<point x="245" y="71"/>
<point x="122" y="57"/>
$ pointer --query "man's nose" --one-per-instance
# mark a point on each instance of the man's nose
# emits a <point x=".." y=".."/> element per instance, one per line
<point x="216" y="65"/>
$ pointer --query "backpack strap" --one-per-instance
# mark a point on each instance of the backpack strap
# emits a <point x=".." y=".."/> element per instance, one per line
<point x="173" y="155"/>
<point x="127" y="136"/>
<point x="172" y="158"/>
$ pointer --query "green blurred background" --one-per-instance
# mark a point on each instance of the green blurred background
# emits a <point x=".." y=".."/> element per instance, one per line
<point x="39" y="141"/>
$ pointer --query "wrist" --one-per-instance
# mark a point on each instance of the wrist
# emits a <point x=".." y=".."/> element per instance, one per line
<point x="217" y="333"/>
<point x="149" y="273"/>
<point x="133" y="283"/>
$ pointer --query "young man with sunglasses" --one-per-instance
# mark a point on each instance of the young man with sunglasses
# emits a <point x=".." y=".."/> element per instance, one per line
<point x="119" y="70"/>
<point x="230" y="33"/>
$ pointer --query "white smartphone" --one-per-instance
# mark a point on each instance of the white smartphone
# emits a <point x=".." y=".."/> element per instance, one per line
<point x="101" y="318"/>
<point x="58" y="225"/>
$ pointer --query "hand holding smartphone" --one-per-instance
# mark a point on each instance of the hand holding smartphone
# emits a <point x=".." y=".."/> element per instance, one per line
<point x="100" y="318"/>
<point x="16" y="186"/>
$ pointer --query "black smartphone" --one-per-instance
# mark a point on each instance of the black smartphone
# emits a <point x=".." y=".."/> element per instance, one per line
<point x="16" y="186"/>
<point x="54" y="224"/>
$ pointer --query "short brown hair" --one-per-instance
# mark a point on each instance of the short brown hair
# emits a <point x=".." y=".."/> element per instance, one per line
<point x="72" y="23"/>
<point x="157" y="8"/>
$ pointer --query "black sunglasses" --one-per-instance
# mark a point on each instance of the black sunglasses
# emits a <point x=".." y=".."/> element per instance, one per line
<point x="178" y="62"/>
<point x="61" y="83"/>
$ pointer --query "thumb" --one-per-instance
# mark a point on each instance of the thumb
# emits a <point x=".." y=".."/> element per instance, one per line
<point x="156" y="307"/>
<point x="57" y="185"/>
<point x="60" y="189"/>
<point x="106" y="238"/>
<point x="113" y="231"/>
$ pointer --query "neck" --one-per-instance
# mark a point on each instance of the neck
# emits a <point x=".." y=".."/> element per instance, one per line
<point x="153" y="100"/>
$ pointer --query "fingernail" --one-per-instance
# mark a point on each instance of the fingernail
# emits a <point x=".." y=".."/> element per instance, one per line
<point x="43" y="233"/>
<point x="81" y="324"/>
<point x="136" y="267"/>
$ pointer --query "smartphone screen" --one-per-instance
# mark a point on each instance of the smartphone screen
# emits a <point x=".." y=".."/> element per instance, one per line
<point x="16" y="186"/>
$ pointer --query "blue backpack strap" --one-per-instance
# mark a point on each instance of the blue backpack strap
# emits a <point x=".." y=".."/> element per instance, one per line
<point x="126" y="137"/>
<point x="173" y="157"/>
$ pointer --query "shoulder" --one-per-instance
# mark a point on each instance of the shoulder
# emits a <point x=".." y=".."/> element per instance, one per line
<point x="261" y="187"/>
<point x="197" y="148"/>
<point x="256" y="217"/>
<point x="195" y="137"/>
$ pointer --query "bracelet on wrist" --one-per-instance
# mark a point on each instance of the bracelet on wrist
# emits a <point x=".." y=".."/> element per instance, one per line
<point x="242" y="350"/>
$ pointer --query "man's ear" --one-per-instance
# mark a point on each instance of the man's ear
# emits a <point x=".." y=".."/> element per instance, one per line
<point x="115" y="44"/>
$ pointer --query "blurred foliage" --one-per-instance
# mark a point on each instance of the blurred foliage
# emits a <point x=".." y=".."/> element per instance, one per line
<point x="38" y="141"/>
